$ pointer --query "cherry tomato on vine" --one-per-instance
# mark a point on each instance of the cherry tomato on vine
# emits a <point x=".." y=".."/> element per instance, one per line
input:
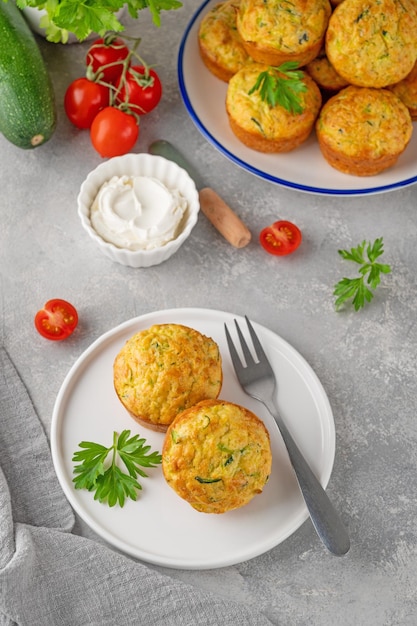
<point x="142" y="91"/>
<point x="114" y="132"/>
<point x="83" y="100"/>
<point x="281" y="238"/>
<point x="57" y="320"/>
<point x="107" y="55"/>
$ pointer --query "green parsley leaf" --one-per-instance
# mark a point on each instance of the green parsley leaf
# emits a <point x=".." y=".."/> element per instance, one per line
<point x="83" y="18"/>
<point x="155" y="7"/>
<point x="282" y="86"/>
<point x="359" y="289"/>
<point x="110" y="483"/>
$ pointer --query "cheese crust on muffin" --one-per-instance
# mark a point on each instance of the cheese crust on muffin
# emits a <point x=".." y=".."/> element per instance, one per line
<point x="165" y="369"/>
<point x="220" y="45"/>
<point x="363" y="131"/>
<point x="262" y="127"/>
<point x="217" y="456"/>
<point x="277" y="31"/>
<point x="373" y="43"/>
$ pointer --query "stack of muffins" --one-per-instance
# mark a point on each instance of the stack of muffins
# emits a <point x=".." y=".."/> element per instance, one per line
<point x="216" y="454"/>
<point x="358" y="58"/>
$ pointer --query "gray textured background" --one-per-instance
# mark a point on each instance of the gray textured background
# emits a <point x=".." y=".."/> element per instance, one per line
<point x="365" y="361"/>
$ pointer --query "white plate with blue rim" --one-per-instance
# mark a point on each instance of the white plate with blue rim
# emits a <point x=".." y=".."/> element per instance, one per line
<point x="303" y="169"/>
<point x="161" y="528"/>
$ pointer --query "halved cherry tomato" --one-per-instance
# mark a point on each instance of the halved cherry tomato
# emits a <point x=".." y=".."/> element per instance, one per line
<point x="140" y="90"/>
<point x="113" y="132"/>
<point x="280" y="238"/>
<point x="57" y="320"/>
<point x="83" y="100"/>
<point x="107" y="55"/>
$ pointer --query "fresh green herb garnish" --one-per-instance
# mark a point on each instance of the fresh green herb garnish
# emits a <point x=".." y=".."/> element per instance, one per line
<point x="97" y="16"/>
<point x="356" y="289"/>
<point x="110" y="483"/>
<point x="282" y="86"/>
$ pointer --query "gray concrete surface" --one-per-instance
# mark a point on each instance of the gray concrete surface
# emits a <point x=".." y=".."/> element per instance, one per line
<point x="366" y="361"/>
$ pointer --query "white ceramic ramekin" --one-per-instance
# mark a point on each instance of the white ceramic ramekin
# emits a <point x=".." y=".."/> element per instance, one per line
<point x="169" y="173"/>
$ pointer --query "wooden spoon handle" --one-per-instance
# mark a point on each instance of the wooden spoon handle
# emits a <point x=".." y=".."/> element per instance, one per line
<point x="223" y="218"/>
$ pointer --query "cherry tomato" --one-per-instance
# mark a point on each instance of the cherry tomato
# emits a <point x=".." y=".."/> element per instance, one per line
<point x="114" y="132"/>
<point x="57" y="320"/>
<point x="280" y="238"/>
<point x="107" y="55"/>
<point x="83" y="100"/>
<point x="142" y="92"/>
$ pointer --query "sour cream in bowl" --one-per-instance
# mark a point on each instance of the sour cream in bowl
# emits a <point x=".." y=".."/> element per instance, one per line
<point x="138" y="208"/>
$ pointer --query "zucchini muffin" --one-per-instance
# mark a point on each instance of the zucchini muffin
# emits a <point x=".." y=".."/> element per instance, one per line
<point x="406" y="90"/>
<point x="363" y="131"/>
<point x="217" y="456"/>
<point x="165" y="369"/>
<point x="220" y="45"/>
<point x="262" y="127"/>
<point x="276" y="31"/>
<point x="323" y="73"/>
<point x="373" y="43"/>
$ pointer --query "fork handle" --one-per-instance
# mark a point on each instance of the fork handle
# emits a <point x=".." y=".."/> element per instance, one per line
<point x="324" y="516"/>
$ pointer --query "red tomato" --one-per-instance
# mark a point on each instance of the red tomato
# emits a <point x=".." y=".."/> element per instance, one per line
<point x="107" y="55"/>
<point x="83" y="100"/>
<point x="141" y="91"/>
<point x="114" y="132"/>
<point x="280" y="238"/>
<point x="57" y="320"/>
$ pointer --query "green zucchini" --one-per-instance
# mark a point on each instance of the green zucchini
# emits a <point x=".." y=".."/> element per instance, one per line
<point x="27" y="103"/>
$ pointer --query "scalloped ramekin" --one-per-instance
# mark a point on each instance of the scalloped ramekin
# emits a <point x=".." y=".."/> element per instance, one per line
<point x="169" y="173"/>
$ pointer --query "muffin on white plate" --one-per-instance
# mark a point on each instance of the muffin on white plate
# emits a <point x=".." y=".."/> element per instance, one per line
<point x="217" y="456"/>
<point x="219" y="43"/>
<point x="138" y="208"/>
<point x="165" y="369"/>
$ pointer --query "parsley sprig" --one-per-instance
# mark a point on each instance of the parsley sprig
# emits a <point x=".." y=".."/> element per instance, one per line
<point x="83" y="18"/>
<point x="108" y="481"/>
<point x="359" y="289"/>
<point x="282" y="86"/>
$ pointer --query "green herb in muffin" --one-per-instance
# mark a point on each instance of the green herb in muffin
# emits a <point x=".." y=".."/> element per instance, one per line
<point x="282" y="86"/>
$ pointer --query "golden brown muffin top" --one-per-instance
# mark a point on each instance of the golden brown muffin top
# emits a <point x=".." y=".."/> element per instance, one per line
<point x="282" y="25"/>
<point x="217" y="456"/>
<point x="165" y="369"/>
<point x="366" y="122"/>
<point x="373" y="43"/>
<point x="324" y="74"/>
<point x="254" y="114"/>
<point x="219" y="39"/>
<point x="406" y="90"/>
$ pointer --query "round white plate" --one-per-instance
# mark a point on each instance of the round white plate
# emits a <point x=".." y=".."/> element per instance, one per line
<point x="160" y="527"/>
<point x="304" y="169"/>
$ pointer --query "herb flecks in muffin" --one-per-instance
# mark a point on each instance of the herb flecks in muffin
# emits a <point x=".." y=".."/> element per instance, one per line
<point x="282" y="86"/>
<point x="173" y="366"/>
<point x="220" y="465"/>
<point x="110" y="483"/>
<point x="373" y="43"/>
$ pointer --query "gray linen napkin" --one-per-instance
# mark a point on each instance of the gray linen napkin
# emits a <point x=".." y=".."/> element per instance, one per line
<point x="51" y="577"/>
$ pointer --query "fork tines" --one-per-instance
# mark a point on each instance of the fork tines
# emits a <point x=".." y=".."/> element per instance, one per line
<point x="259" y="351"/>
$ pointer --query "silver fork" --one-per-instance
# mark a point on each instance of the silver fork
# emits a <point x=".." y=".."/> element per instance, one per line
<point x="259" y="382"/>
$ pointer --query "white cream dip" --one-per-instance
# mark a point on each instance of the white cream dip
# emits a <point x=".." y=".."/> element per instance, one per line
<point x="137" y="212"/>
